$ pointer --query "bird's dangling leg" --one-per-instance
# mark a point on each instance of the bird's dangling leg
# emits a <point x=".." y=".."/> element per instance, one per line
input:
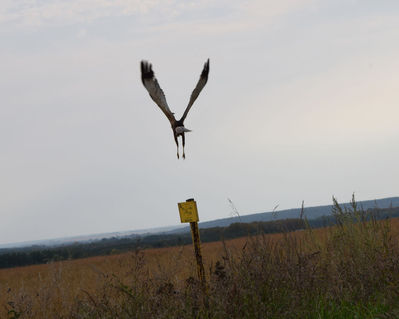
<point x="184" y="142"/>
<point x="177" y="144"/>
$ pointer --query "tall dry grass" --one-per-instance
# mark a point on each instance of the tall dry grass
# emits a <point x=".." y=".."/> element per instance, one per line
<point x="346" y="271"/>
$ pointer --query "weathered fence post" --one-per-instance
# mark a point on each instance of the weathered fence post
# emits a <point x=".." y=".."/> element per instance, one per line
<point x="189" y="214"/>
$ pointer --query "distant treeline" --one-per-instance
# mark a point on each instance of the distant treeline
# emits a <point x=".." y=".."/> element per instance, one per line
<point x="14" y="257"/>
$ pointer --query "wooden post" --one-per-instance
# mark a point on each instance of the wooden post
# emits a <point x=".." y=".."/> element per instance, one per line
<point x="197" y="249"/>
<point x="189" y="214"/>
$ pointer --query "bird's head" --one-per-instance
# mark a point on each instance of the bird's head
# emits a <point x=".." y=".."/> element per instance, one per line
<point x="181" y="129"/>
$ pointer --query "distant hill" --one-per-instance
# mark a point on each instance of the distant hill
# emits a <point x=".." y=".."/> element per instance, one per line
<point x="310" y="213"/>
<point x="108" y="246"/>
<point x="89" y="238"/>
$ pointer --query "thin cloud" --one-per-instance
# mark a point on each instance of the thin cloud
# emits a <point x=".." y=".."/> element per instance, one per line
<point x="32" y="13"/>
<point x="28" y="13"/>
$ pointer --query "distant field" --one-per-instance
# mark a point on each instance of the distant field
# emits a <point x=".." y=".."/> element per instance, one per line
<point x="329" y="267"/>
<point x="58" y="284"/>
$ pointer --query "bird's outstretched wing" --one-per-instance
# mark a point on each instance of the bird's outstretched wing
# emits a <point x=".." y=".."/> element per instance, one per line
<point x="156" y="93"/>
<point x="200" y="85"/>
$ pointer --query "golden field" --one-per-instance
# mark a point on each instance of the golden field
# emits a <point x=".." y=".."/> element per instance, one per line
<point x="56" y="286"/>
<point x="57" y="290"/>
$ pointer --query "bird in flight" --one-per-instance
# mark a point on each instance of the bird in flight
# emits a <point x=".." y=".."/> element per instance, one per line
<point x="156" y="93"/>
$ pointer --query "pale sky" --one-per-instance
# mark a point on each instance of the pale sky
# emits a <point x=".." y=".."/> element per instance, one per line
<point x="301" y="104"/>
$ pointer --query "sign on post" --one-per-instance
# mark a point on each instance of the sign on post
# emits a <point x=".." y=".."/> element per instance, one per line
<point x="188" y="211"/>
<point x="189" y="214"/>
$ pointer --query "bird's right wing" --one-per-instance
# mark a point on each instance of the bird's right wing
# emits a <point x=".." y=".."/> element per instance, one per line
<point x="198" y="88"/>
<point x="156" y="93"/>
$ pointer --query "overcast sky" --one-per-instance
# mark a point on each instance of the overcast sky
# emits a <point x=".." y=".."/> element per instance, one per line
<point x="302" y="103"/>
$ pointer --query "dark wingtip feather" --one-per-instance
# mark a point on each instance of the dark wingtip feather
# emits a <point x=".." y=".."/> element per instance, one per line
<point x="205" y="71"/>
<point x="146" y="71"/>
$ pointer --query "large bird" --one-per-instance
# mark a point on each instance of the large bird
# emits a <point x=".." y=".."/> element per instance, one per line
<point x="156" y="93"/>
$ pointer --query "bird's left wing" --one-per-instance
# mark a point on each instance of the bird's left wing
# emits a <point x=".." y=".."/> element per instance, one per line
<point x="200" y="85"/>
<point x="156" y="93"/>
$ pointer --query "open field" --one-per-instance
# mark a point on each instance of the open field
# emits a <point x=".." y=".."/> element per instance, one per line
<point x="347" y="271"/>
<point x="55" y="287"/>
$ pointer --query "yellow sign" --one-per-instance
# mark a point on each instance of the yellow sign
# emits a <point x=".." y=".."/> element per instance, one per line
<point x="188" y="212"/>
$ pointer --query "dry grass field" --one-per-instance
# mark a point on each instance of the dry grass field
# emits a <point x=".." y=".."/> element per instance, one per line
<point x="346" y="271"/>
<point x="53" y="288"/>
